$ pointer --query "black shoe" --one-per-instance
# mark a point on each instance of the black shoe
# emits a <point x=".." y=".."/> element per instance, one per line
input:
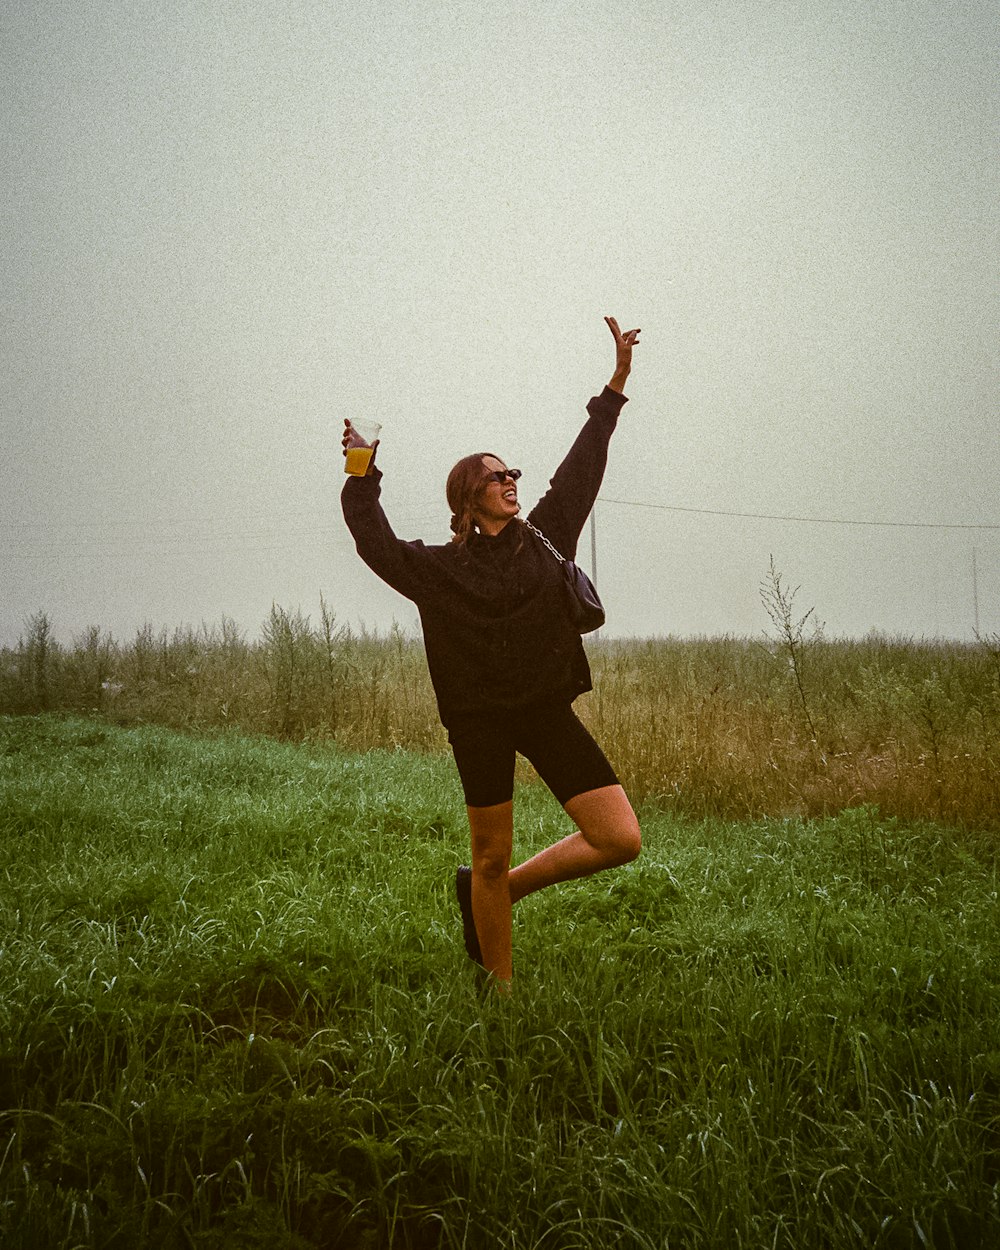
<point x="463" y="888"/>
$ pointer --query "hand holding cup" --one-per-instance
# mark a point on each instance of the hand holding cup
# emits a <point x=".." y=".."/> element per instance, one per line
<point x="360" y="442"/>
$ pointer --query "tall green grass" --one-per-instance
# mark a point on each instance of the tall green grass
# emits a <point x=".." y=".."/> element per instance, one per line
<point x="785" y="725"/>
<point x="235" y="1010"/>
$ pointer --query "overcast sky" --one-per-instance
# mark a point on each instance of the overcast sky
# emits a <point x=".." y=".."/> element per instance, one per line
<point x="227" y="226"/>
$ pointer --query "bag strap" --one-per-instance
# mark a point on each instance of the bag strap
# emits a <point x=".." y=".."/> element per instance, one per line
<point x="535" y="530"/>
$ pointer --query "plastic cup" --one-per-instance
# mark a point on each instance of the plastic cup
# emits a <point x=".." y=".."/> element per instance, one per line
<point x="360" y="447"/>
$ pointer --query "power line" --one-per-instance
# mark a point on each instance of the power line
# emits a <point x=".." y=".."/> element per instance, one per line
<point x="808" y="520"/>
<point x="153" y="541"/>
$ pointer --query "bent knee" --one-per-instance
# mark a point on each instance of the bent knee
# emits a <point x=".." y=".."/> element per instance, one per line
<point x="621" y="845"/>
<point x="628" y="843"/>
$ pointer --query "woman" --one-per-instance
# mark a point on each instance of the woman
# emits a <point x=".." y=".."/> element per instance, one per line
<point x="506" y="663"/>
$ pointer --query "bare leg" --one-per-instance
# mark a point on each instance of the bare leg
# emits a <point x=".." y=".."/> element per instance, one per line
<point x="492" y="830"/>
<point x="608" y="836"/>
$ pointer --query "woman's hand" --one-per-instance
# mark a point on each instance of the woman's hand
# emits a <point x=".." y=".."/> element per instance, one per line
<point x="353" y="439"/>
<point x="623" y="353"/>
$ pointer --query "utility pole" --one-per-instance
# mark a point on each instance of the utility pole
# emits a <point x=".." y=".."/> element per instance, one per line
<point x="975" y="591"/>
<point x="593" y="550"/>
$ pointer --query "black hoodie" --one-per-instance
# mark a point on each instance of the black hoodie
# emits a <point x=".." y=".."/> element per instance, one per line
<point x="493" y="610"/>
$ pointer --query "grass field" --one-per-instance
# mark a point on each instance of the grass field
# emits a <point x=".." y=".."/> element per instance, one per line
<point x="235" y="1011"/>
<point x="787" y="724"/>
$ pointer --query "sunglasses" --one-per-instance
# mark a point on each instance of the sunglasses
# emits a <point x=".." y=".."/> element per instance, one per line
<point x="501" y="475"/>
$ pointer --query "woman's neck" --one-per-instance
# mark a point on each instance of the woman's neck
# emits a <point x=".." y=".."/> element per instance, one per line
<point x="491" y="527"/>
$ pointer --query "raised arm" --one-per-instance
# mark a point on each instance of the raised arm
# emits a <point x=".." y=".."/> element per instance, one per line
<point x="562" y="511"/>
<point x="405" y="566"/>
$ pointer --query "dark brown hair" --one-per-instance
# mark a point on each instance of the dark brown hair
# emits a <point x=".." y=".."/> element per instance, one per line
<point x="464" y="483"/>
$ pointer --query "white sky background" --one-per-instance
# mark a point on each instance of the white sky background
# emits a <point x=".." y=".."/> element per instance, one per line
<point x="227" y="226"/>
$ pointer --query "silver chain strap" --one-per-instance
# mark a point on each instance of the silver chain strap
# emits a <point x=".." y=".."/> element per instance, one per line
<point x="534" y="529"/>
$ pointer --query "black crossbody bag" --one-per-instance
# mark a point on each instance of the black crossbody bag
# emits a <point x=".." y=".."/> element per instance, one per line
<point x="585" y="608"/>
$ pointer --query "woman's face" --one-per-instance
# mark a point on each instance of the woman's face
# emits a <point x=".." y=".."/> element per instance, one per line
<point x="496" y="502"/>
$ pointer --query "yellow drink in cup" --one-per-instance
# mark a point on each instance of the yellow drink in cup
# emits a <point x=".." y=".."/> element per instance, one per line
<point x="358" y="460"/>
<point x="360" y="447"/>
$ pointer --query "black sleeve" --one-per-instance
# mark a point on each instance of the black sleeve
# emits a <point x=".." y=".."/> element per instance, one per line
<point x="403" y="565"/>
<point x="563" y="510"/>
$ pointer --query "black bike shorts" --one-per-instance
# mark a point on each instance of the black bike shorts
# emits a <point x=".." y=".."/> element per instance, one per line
<point x="549" y="736"/>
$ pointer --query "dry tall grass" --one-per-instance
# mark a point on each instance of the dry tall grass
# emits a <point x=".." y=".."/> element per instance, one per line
<point x="718" y="727"/>
<point x="709" y="727"/>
